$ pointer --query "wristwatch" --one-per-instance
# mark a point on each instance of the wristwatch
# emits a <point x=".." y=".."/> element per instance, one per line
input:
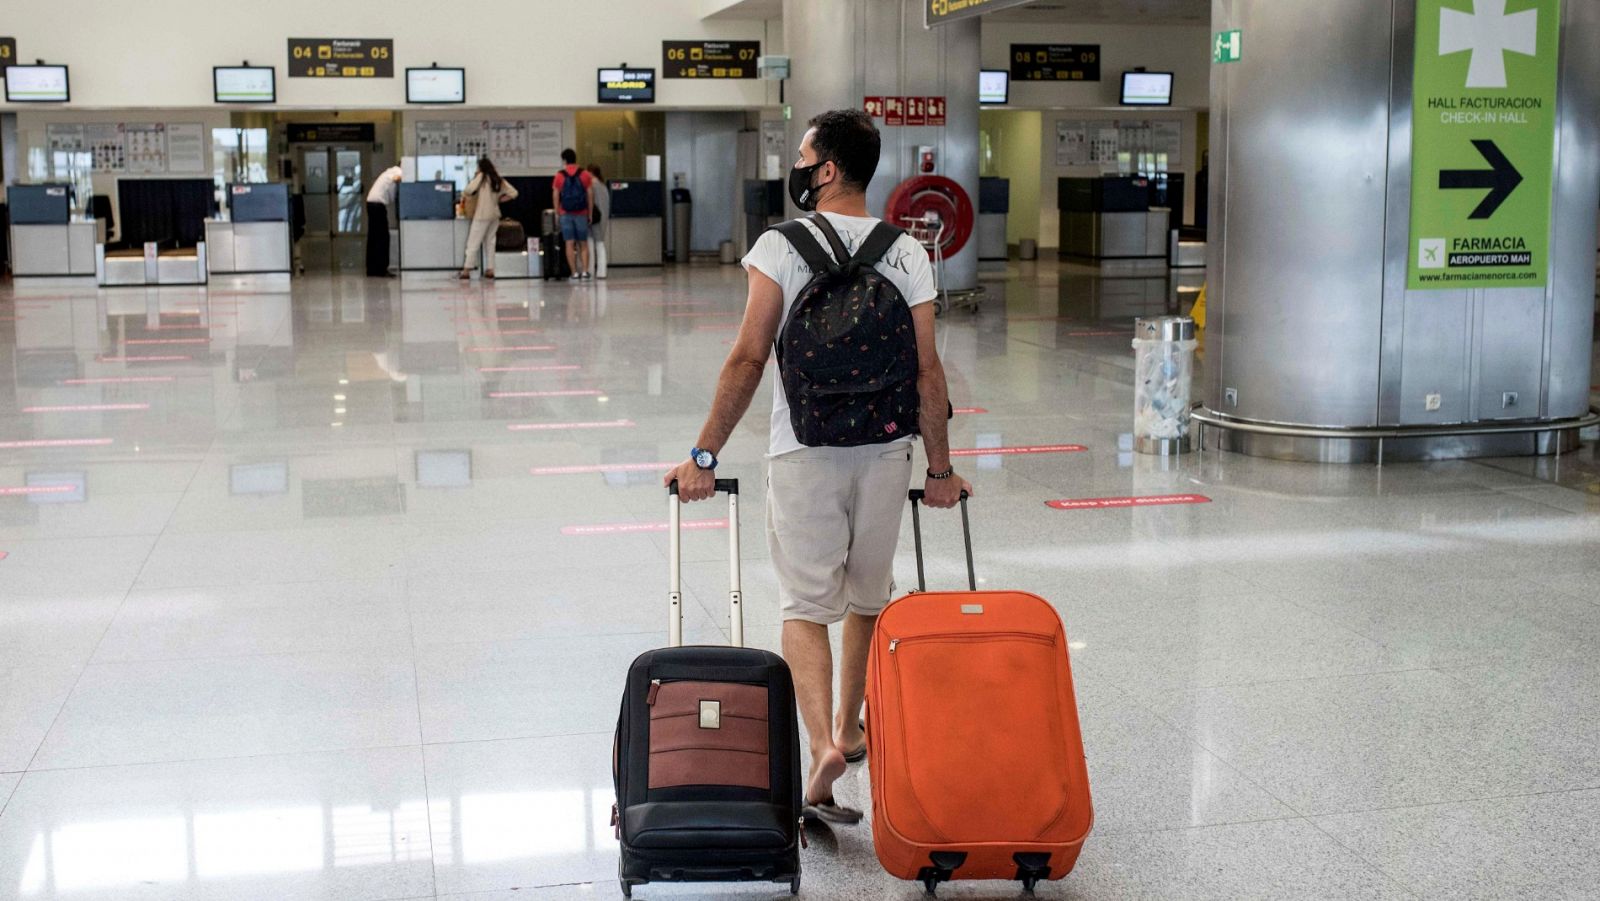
<point x="703" y="458"/>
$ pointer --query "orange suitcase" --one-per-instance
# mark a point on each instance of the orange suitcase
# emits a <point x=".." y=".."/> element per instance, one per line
<point x="972" y="736"/>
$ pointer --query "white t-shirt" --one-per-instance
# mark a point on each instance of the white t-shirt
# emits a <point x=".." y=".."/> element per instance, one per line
<point x="906" y="265"/>
<point x="385" y="187"/>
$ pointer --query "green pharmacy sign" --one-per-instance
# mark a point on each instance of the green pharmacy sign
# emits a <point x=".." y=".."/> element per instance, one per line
<point x="1483" y="131"/>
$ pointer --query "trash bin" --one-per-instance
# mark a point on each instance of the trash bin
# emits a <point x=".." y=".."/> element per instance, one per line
<point x="1163" y="372"/>
<point x="681" y="222"/>
<point x="727" y="253"/>
<point x="1029" y="249"/>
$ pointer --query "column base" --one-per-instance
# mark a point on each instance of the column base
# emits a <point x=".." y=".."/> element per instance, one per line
<point x="1312" y="444"/>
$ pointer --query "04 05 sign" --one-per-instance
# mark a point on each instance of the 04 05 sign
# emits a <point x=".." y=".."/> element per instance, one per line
<point x="341" y="58"/>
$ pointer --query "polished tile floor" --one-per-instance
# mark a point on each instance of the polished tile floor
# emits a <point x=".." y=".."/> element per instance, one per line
<point x="327" y="590"/>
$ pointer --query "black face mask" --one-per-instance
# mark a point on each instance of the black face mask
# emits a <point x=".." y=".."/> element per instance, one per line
<point x="800" y="190"/>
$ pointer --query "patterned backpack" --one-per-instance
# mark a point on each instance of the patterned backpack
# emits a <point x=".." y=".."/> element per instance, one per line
<point x="848" y="353"/>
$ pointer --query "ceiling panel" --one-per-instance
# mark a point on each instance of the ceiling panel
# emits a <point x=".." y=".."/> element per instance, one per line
<point x="1128" y="12"/>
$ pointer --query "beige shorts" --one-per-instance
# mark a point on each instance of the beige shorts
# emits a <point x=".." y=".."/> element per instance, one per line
<point x="833" y="522"/>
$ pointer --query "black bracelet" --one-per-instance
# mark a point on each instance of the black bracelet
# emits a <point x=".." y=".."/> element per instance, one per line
<point x="942" y="475"/>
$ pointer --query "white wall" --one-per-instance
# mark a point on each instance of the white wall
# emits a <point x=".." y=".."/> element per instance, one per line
<point x="159" y="53"/>
<point x="1183" y="50"/>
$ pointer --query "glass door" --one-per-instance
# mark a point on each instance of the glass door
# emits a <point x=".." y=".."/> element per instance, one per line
<point x="334" y="182"/>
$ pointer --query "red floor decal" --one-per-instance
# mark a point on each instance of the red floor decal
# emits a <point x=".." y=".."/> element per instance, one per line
<point x="1154" y="500"/>
<point x="169" y="358"/>
<point x="601" y="467"/>
<point x="509" y="347"/>
<point x="510" y="331"/>
<point x="133" y="341"/>
<point x="4" y="554"/>
<point x="965" y="411"/>
<point x="551" y="426"/>
<point x="693" y="525"/>
<point x="1035" y="449"/>
<point x="55" y="442"/>
<point x="558" y="367"/>
<point x="574" y="392"/>
<point x="85" y="408"/>
<point x="36" y="489"/>
<point x="120" y="380"/>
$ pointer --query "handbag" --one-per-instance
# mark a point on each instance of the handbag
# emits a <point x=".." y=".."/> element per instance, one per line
<point x="469" y="204"/>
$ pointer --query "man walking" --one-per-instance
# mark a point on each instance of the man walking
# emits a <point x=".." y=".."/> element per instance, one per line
<point x="573" y="199"/>
<point x="380" y="201"/>
<point x="833" y="512"/>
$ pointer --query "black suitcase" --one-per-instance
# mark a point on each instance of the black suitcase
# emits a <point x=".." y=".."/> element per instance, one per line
<point x="553" y="256"/>
<point x="707" y="754"/>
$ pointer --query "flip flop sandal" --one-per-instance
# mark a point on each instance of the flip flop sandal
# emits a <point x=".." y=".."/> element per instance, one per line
<point x="830" y="812"/>
<point x="859" y="754"/>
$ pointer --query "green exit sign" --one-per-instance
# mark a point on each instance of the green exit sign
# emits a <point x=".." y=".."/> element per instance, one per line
<point x="1228" y="46"/>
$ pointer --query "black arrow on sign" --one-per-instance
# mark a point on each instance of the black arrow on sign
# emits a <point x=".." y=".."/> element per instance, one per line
<point x="1501" y="179"/>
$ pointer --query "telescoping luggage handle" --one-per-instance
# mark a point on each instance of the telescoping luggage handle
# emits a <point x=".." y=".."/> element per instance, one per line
<point x="675" y="565"/>
<point x="916" y="495"/>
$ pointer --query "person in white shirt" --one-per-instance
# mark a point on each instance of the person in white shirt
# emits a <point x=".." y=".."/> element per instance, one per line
<point x="490" y="190"/>
<point x="833" y="513"/>
<point x="380" y="202"/>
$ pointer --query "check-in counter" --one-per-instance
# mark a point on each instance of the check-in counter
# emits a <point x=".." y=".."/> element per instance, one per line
<point x="637" y="214"/>
<point x="45" y="238"/>
<point x="255" y="237"/>
<point x="1111" y="218"/>
<point x="432" y="238"/>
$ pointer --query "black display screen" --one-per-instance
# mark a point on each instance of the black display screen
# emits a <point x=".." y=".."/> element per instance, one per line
<point x="627" y="86"/>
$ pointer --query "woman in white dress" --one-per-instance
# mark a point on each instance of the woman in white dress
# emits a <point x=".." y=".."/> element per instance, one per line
<point x="490" y="190"/>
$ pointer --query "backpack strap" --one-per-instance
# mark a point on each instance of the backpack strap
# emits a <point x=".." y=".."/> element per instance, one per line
<point x="801" y="239"/>
<point x="840" y="252"/>
<point x="878" y="242"/>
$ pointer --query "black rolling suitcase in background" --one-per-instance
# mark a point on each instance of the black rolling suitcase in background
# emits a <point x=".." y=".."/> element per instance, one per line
<point x="552" y="250"/>
<point x="707" y="755"/>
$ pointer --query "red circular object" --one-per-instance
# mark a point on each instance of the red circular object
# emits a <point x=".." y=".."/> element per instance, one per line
<point x="923" y="194"/>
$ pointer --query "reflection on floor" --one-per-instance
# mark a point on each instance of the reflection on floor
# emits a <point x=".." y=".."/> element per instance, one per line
<point x="326" y="590"/>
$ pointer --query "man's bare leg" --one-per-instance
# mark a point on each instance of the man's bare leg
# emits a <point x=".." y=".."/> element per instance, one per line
<point x="847" y="734"/>
<point x="805" y="647"/>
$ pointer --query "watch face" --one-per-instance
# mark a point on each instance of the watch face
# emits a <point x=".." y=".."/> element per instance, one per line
<point x="703" y="459"/>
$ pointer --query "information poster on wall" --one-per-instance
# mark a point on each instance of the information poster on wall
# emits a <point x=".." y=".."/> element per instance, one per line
<point x="1098" y="143"/>
<point x="775" y="148"/>
<point x="469" y="138"/>
<point x="545" y="144"/>
<point x="146" y="143"/>
<point x="186" y="147"/>
<point x="1483" y="122"/>
<point x="64" y="138"/>
<point x="433" y="138"/>
<point x="508" y="141"/>
<point x="104" y="141"/>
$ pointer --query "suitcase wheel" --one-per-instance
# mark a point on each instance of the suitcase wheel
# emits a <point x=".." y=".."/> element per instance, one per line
<point x="627" y="888"/>
<point x="794" y="886"/>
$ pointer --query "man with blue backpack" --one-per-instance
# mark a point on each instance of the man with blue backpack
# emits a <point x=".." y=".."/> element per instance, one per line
<point x="844" y="299"/>
<point x="573" y="198"/>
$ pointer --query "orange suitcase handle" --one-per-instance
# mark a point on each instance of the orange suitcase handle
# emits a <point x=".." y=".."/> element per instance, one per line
<point x="916" y="495"/>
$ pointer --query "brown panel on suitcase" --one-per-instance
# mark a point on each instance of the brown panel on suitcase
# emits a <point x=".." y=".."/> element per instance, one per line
<point x="709" y="733"/>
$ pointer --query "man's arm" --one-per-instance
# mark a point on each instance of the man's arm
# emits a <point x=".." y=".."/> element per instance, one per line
<point x="736" y="386"/>
<point x="934" y="395"/>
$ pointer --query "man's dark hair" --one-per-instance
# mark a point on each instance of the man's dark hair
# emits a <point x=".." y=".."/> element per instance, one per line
<point x="569" y="156"/>
<point x="848" y="137"/>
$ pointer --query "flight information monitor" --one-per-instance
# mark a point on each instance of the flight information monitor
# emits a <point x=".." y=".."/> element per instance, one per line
<point x="627" y="86"/>
<point x="244" y="84"/>
<point x="436" y="85"/>
<point x="1147" y="89"/>
<point x="37" y="84"/>
<point x="994" y="86"/>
